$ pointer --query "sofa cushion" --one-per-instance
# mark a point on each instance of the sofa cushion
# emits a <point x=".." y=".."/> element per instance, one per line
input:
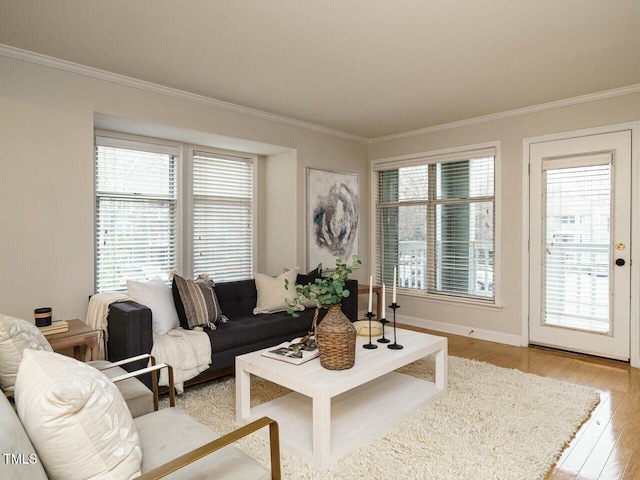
<point x="252" y="329"/>
<point x="237" y="298"/>
<point x="273" y="296"/>
<point x="169" y="433"/>
<point x="156" y="295"/>
<point x="16" y="335"/>
<point x="196" y="302"/>
<point x="76" y="418"/>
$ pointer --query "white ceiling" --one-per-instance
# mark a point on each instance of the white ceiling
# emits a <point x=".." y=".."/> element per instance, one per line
<point x="366" y="67"/>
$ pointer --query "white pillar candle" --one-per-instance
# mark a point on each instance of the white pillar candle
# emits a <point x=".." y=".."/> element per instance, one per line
<point x="384" y="301"/>
<point x="370" y="292"/>
<point x="395" y="281"/>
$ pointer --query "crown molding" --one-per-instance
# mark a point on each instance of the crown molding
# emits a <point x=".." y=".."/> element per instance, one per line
<point x="591" y="97"/>
<point x="52" y="62"/>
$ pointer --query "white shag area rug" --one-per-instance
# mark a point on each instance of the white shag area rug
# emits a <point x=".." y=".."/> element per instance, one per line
<point x="495" y="423"/>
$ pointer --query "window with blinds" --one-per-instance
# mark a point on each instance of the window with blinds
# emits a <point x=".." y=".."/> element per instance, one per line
<point x="577" y="240"/>
<point x="223" y="218"/>
<point x="435" y="222"/>
<point x="136" y="192"/>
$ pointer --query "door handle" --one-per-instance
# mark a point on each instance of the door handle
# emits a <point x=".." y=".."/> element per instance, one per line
<point x="620" y="262"/>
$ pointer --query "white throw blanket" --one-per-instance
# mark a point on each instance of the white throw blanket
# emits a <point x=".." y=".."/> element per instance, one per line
<point x="187" y="351"/>
<point x="98" y="311"/>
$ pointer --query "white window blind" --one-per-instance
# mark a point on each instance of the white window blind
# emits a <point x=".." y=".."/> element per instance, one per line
<point x="577" y="253"/>
<point x="435" y="222"/>
<point x="136" y="192"/>
<point x="223" y="220"/>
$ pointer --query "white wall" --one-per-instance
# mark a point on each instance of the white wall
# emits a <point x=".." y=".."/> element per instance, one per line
<point x="279" y="247"/>
<point x="46" y="176"/>
<point x="505" y="323"/>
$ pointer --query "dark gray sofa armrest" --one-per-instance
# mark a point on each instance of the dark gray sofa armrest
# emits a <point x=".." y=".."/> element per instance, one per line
<point x="130" y="334"/>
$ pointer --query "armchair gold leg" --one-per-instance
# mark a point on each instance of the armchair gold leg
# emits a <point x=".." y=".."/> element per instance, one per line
<point x="274" y="447"/>
<point x="154" y="385"/>
<point x="172" y="390"/>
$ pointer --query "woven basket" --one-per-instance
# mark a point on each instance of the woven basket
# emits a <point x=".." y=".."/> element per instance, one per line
<point x="336" y="339"/>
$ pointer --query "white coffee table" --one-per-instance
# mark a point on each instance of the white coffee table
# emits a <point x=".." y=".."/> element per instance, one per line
<point x="331" y="413"/>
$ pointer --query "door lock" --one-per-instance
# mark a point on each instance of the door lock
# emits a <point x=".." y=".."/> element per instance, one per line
<point x="620" y="262"/>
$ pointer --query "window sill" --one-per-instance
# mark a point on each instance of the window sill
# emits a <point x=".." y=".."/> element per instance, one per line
<point x="462" y="302"/>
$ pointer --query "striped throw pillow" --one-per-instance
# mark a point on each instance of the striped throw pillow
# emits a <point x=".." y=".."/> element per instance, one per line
<point x="196" y="302"/>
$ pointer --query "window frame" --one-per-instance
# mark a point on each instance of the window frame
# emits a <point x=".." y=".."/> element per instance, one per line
<point x="188" y="203"/>
<point x="433" y="157"/>
<point x="184" y="191"/>
<point x="150" y="144"/>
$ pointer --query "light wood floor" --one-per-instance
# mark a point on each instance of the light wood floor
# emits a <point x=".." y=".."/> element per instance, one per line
<point x="608" y="444"/>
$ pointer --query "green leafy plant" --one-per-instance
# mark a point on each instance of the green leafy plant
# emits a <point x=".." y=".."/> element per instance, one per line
<point x="325" y="291"/>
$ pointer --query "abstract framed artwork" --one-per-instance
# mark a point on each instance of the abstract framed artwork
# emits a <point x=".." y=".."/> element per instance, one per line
<point x="333" y="217"/>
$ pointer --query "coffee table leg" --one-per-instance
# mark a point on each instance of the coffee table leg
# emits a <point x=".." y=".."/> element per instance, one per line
<point x="442" y="370"/>
<point x="243" y="396"/>
<point x="321" y="431"/>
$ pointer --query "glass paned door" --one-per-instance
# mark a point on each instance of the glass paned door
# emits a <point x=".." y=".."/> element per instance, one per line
<point x="580" y="233"/>
<point x="577" y="247"/>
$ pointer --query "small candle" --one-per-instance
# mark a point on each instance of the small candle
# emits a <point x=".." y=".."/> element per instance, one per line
<point x="370" y="292"/>
<point x="395" y="281"/>
<point x="384" y="301"/>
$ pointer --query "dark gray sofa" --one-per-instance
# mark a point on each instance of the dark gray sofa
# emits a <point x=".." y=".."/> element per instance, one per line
<point x="129" y="327"/>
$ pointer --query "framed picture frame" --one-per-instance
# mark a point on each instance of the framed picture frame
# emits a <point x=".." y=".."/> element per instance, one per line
<point x="333" y="217"/>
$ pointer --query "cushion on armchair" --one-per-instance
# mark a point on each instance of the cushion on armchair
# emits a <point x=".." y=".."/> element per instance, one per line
<point x="138" y="397"/>
<point x="16" y="335"/>
<point x="76" y="419"/>
<point x="169" y="433"/>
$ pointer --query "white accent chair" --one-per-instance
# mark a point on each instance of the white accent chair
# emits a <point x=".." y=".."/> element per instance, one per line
<point x="173" y="444"/>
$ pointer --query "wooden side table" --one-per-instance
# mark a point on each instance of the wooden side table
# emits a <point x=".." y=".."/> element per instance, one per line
<point x="78" y="335"/>
<point x="377" y="289"/>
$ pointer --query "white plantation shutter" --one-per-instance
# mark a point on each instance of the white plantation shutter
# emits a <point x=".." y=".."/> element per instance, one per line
<point x="223" y="220"/>
<point x="435" y="222"/>
<point x="136" y="192"/>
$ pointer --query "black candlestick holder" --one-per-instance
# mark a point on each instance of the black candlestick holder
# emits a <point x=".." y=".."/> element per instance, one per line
<point x="383" y="321"/>
<point x="370" y="346"/>
<point x="395" y="345"/>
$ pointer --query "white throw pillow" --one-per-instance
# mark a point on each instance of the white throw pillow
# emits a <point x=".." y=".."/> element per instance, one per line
<point x="272" y="294"/>
<point x="16" y="335"/>
<point x="76" y="419"/>
<point x="156" y="295"/>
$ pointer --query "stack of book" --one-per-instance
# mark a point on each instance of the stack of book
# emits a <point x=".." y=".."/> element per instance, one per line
<point x="294" y="352"/>
<point x="59" y="326"/>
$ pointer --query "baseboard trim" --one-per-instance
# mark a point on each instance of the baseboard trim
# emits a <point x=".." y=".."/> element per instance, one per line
<point x="462" y="330"/>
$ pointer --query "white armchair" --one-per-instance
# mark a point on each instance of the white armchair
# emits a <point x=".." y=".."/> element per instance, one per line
<point x="86" y="431"/>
